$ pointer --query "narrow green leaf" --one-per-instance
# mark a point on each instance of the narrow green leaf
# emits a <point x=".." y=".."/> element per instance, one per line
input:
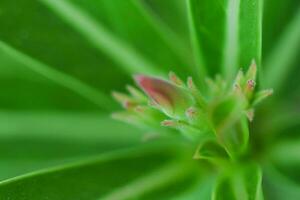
<point x="201" y="190"/>
<point x="286" y="152"/>
<point x="143" y="170"/>
<point x="283" y="124"/>
<point x="244" y="21"/>
<point x="37" y="32"/>
<point x="279" y="62"/>
<point x="241" y="183"/>
<point x="285" y="161"/>
<point x="231" y="47"/>
<point x="277" y="186"/>
<point x="27" y="143"/>
<point x="149" y="36"/>
<point x="221" y="31"/>
<point x="201" y="68"/>
<point x="60" y="78"/>
<point x="175" y="42"/>
<point x="250" y="32"/>
<point x="97" y="35"/>
<point x="253" y="182"/>
<point x="207" y="36"/>
<point x="275" y="20"/>
<point x="146" y="183"/>
<point x="174" y="14"/>
<point x="65" y="125"/>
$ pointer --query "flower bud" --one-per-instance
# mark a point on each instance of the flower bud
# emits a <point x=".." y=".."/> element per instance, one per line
<point x="175" y="79"/>
<point x="171" y="99"/>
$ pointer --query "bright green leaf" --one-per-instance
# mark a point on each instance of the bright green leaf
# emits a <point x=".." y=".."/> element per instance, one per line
<point x="280" y="61"/>
<point x="142" y="171"/>
<point x="242" y="183"/>
<point x="37" y="32"/>
<point x="65" y="80"/>
<point x="27" y="143"/>
<point x="100" y="37"/>
<point x="277" y="186"/>
<point x="221" y="31"/>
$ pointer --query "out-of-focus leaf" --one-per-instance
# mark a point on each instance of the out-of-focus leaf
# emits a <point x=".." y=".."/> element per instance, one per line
<point x="286" y="162"/>
<point x="241" y="183"/>
<point x="99" y="36"/>
<point x="201" y="190"/>
<point x="221" y="32"/>
<point x="277" y="187"/>
<point x="173" y="13"/>
<point x="35" y="30"/>
<point x="287" y="152"/>
<point x="223" y="190"/>
<point x="210" y="150"/>
<point x="277" y="15"/>
<point x="31" y="141"/>
<point x="115" y="42"/>
<point x="231" y="126"/>
<point x="24" y="89"/>
<point x="283" y="125"/>
<point x="282" y="57"/>
<point x="153" y="39"/>
<point x="207" y="40"/>
<point x="63" y="79"/>
<point x="143" y="171"/>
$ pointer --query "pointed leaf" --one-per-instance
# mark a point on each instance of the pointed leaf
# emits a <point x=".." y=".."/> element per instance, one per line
<point x="144" y="171"/>
<point x="27" y="143"/>
<point x="242" y="183"/>
<point x="221" y="31"/>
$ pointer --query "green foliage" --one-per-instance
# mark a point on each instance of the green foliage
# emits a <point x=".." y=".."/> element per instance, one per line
<point x="60" y="60"/>
<point x="157" y="170"/>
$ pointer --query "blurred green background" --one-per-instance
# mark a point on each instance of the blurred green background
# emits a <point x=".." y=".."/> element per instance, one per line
<point x="57" y="72"/>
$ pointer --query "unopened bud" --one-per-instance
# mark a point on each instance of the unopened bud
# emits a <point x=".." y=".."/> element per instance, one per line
<point x="196" y="92"/>
<point x="175" y="79"/>
<point x="250" y="114"/>
<point x="251" y="73"/>
<point x="171" y="99"/>
<point x="239" y="78"/>
<point x="250" y="85"/>
<point x="190" y="83"/>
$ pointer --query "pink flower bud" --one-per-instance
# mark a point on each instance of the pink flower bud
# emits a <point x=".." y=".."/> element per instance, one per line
<point x="171" y="99"/>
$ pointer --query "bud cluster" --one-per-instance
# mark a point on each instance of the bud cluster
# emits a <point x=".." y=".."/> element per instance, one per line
<point x="215" y="117"/>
